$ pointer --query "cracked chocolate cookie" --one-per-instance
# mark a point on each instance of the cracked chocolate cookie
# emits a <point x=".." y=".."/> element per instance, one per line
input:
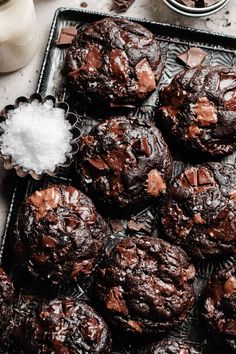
<point x="64" y="325"/>
<point x="124" y="164"/>
<point x="168" y="346"/>
<point x="198" y="109"/>
<point x="6" y="307"/>
<point x="220" y="309"/>
<point x="115" y="61"/>
<point x="145" y="285"/>
<point x="59" y="235"/>
<point x="199" y="212"/>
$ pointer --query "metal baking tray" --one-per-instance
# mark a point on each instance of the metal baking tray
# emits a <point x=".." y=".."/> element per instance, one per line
<point x="220" y="49"/>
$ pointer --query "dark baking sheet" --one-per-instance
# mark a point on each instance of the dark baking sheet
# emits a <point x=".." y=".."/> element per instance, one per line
<point x="220" y="50"/>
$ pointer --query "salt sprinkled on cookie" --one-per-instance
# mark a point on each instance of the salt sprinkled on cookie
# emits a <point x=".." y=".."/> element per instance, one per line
<point x="36" y="136"/>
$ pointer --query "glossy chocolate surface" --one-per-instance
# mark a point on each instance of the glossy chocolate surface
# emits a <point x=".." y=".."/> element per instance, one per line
<point x="59" y="235"/>
<point x="198" y="109"/>
<point x="114" y="61"/>
<point x="63" y="325"/>
<point x="220" y="308"/>
<point x="145" y="285"/>
<point x="199" y="212"/>
<point x="168" y="346"/>
<point x="124" y="163"/>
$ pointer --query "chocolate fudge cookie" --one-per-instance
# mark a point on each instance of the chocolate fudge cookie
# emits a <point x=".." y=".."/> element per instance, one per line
<point x="145" y="285"/>
<point x="220" y="309"/>
<point x="198" y="109"/>
<point x="64" y="325"/>
<point x="114" y="61"/>
<point x="199" y="212"/>
<point x="168" y="346"/>
<point x="124" y="163"/>
<point x="6" y="307"/>
<point x="58" y="235"/>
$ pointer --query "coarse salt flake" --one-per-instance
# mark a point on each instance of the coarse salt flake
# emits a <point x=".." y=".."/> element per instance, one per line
<point x="36" y="136"/>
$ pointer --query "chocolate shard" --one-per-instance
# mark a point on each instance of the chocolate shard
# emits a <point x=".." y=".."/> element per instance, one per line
<point x="66" y="36"/>
<point x="123" y="5"/>
<point x="192" y="57"/>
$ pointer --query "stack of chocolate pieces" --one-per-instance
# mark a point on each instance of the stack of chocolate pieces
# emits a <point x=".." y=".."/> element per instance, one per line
<point x="196" y="8"/>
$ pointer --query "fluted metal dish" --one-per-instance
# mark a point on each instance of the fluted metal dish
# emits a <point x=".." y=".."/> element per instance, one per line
<point x="71" y="117"/>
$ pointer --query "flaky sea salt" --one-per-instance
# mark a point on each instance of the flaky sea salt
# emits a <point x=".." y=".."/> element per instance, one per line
<point x="36" y="136"/>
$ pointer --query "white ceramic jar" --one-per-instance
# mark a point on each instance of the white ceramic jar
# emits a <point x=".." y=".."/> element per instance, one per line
<point x="18" y="34"/>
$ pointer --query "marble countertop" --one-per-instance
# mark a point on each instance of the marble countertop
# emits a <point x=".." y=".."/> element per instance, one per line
<point x="23" y="82"/>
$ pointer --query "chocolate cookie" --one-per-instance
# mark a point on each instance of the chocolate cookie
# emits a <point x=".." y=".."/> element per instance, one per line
<point x="6" y="307"/>
<point x="145" y="285"/>
<point x="124" y="163"/>
<point x="115" y="61"/>
<point x="64" y="325"/>
<point x="198" y="109"/>
<point x="168" y="346"/>
<point x="58" y="235"/>
<point x="220" y="309"/>
<point x="199" y="212"/>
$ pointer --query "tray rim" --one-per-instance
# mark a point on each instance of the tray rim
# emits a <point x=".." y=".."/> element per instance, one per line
<point x="185" y="30"/>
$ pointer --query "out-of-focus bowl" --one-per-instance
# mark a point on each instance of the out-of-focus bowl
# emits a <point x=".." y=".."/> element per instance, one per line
<point x="71" y="117"/>
<point x="189" y="11"/>
<point x="199" y="9"/>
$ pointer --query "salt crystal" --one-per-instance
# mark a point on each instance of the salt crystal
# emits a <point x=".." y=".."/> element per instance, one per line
<point x="36" y="136"/>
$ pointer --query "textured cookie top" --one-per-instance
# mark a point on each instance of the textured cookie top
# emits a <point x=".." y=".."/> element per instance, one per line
<point x="199" y="109"/>
<point x="220" y="306"/>
<point x="168" y="346"/>
<point x="64" y="325"/>
<point x="115" y="61"/>
<point x="58" y="235"/>
<point x="124" y="163"/>
<point x="199" y="211"/>
<point x="145" y="285"/>
<point x="6" y="309"/>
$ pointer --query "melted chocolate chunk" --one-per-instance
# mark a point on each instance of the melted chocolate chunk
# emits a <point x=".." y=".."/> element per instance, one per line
<point x="141" y="290"/>
<point x="114" y="61"/>
<point x="63" y="325"/>
<point x="192" y="57"/>
<point x="198" y="109"/>
<point x="124" y="164"/>
<point x="199" y="212"/>
<point x="220" y="308"/>
<point x="46" y="242"/>
<point x="168" y="346"/>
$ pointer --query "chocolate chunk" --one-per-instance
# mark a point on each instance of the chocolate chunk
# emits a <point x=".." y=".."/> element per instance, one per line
<point x="123" y="5"/>
<point x="192" y="57"/>
<point x="66" y="36"/>
<point x="145" y="76"/>
<point x="205" y="112"/>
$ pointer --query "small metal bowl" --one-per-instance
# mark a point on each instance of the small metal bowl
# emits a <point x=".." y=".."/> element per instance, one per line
<point x="71" y="117"/>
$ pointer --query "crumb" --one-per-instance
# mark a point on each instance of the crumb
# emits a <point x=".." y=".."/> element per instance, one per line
<point x="83" y="4"/>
